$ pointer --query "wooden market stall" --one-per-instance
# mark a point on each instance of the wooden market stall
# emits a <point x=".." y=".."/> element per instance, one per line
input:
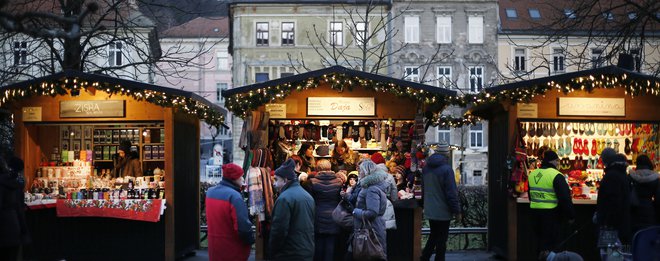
<point x="332" y="99"/>
<point x="85" y="116"/>
<point x="576" y="114"/>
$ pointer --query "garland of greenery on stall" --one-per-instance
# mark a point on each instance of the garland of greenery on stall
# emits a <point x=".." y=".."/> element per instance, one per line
<point x="70" y="85"/>
<point x="241" y="103"/>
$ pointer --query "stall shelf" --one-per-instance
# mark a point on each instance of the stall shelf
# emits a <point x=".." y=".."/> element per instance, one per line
<point x="71" y="98"/>
<point x="607" y="96"/>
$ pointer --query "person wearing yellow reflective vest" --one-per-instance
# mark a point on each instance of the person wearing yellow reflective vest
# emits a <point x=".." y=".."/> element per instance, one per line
<point x="550" y="202"/>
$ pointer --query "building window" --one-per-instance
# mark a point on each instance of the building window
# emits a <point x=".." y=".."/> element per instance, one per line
<point x="336" y="33"/>
<point x="534" y="13"/>
<point x="632" y="15"/>
<point x="115" y="55"/>
<point x="570" y="14"/>
<point x="511" y="13"/>
<point x="444" y="134"/>
<point x="608" y="16"/>
<point x="285" y="74"/>
<point x="476" y="136"/>
<point x="444" y="77"/>
<point x="476" y="78"/>
<point x="519" y="60"/>
<point x="637" y="59"/>
<point x="558" y="58"/>
<point x="411" y="74"/>
<point x="360" y="33"/>
<point x="443" y="29"/>
<point x="20" y="53"/>
<point x="411" y="25"/>
<point x="476" y="173"/>
<point x="262" y="34"/>
<point x="288" y="34"/>
<point x="260" y="77"/>
<point x="221" y="86"/>
<point x="596" y="58"/>
<point x="223" y="60"/>
<point x="476" y="29"/>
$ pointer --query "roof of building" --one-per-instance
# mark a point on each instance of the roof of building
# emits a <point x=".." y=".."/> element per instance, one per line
<point x="573" y="17"/>
<point x="201" y="107"/>
<point x="215" y="27"/>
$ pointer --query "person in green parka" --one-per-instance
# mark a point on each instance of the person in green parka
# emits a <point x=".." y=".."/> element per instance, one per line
<point x="292" y="229"/>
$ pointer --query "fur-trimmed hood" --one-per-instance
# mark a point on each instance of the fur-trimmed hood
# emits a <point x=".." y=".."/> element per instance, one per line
<point x="644" y="175"/>
<point x="373" y="179"/>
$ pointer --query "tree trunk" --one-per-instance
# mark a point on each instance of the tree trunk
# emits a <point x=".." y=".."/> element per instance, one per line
<point x="72" y="48"/>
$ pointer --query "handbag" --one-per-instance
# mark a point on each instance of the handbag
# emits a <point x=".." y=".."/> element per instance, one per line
<point x="607" y="237"/>
<point x="365" y="243"/>
<point x="342" y="214"/>
<point x="389" y="216"/>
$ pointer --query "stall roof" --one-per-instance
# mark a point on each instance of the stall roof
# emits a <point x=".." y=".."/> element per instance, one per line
<point x="567" y="77"/>
<point x="243" y="99"/>
<point x="58" y="84"/>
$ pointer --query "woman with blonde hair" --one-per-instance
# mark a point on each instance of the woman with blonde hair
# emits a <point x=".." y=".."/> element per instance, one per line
<point x="343" y="158"/>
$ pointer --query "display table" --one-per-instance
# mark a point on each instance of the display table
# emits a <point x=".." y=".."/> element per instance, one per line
<point x="132" y="209"/>
<point x="41" y="204"/>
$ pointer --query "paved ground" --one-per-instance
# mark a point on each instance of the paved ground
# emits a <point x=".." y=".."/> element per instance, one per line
<point x="451" y="256"/>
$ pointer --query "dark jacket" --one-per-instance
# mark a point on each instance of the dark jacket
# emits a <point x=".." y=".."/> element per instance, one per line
<point x="127" y="166"/>
<point x="324" y="188"/>
<point x="292" y="229"/>
<point x="439" y="187"/>
<point x="371" y="204"/>
<point x="613" y="204"/>
<point x="228" y="223"/>
<point x="645" y="182"/>
<point x="13" y="228"/>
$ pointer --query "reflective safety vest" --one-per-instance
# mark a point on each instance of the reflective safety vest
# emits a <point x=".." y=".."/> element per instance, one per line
<point x="541" y="192"/>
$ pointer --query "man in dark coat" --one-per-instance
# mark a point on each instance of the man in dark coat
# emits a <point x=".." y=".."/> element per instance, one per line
<point x="13" y="228"/>
<point x="440" y="201"/>
<point x="227" y="217"/>
<point x="324" y="188"/>
<point x="292" y="229"/>
<point x="647" y="190"/>
<point x="613" y="204"/>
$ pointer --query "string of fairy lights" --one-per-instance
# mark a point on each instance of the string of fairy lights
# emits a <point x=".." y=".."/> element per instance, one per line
<point x="68" y="86"/>
<point x="242" y="103"/>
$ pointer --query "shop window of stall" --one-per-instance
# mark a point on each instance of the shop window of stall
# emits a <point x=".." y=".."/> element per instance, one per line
<point x="20" y="53"/>
<point x="288" y="34"/>
<point x="558" y="59"/>
<point x="115" y="54"/>
<point x="411" y="74"/>
<point x="477" y="136"/>
<point x="262" y="34"/>
<point x="444" y="134"/>
<point x="444" y="77"/>
<point x="476" y="78"/>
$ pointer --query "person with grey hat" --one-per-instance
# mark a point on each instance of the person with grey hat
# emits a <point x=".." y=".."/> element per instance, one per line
<point x="292" y="228"/>
<point x="440" y="201"/>
<point x="550" y="201"/>
<point x="126" y="161"/>
<point x="613" y="203"/>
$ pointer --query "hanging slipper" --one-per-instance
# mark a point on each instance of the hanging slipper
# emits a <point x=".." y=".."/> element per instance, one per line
<point x="553" y="129"/>
<point x="594" y="147"/>
<point x="532" y="129"/>
<point x="626" y="147"/>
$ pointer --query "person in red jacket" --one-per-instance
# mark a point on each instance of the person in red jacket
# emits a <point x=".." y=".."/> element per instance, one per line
<point x="230" y="230"/>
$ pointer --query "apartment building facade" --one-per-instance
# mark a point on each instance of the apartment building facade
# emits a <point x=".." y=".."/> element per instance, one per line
<point x="450" y="44"/>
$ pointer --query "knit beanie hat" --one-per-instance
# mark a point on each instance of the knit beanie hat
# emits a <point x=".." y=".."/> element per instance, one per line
<point x="231" y="171"/>
<point x="608" y="156"/>
<point x="125" y="145"/>
<point x="443" y="148"/>
<point x="549" y="155"/>
<point x="377" y="158"/>
<point x="287" y="170"/>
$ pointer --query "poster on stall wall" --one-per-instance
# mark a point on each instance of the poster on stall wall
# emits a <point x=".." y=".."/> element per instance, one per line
<point x="276" y="110"/>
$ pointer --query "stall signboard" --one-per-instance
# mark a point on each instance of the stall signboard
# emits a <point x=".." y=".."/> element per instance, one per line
<point x="528" y="110"/>
<point x="276" y="110"/>
<point x="592" y="106"/>
<point x="93" y="109"/>
<point x="31" y="113"/>
<point x="341" y="106"/>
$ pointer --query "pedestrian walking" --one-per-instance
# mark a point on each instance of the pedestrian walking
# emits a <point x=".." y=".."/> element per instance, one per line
<point x="13" y="227"/>
<point x="440" y="201"/>
<point x="230" y="232"/>
<point x="646" y="184"/>
<point x="325" y="187"/>
<point x="292" y="229"/>
<point x="371" y="201"/>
